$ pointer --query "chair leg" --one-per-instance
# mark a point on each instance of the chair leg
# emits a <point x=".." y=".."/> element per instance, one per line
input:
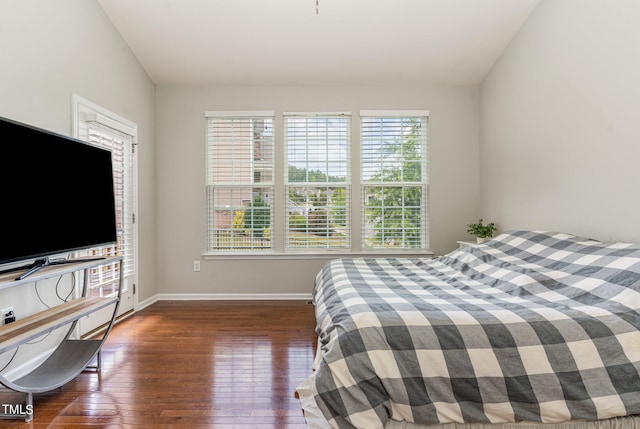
<point x="29" y="408"/>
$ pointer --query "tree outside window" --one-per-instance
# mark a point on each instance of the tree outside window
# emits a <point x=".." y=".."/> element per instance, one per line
<point x="394" y="177"/>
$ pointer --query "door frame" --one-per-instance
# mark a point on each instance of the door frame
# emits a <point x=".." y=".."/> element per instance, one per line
<point x="84" y="111"/>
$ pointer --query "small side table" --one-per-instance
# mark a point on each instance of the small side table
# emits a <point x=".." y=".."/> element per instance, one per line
<point x="463" y="243"/>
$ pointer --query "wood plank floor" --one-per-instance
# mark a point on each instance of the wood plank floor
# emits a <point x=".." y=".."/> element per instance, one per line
<point x="191" y="364"/>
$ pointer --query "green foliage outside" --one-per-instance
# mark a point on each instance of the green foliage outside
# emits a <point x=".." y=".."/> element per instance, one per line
<point x="257" y="217"/>
<point x="325" y="214"/>
<point x="396" y="211"/>
<point x="298" y="223"/>
<point x="302" y="175"/>
<point x="339" y="207"/>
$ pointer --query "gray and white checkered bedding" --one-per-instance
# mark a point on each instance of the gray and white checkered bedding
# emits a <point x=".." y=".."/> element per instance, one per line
<point x="530" y="326"/>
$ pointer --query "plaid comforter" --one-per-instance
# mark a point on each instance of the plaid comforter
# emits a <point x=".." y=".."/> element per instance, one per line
<point x="529" y="326"/>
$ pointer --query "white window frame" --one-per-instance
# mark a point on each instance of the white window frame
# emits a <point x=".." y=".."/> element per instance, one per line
<point x="226" y="178"/>
<point x="397" y="187"/>
<point x="320" y="231"/>
<point x="355" y="210"/>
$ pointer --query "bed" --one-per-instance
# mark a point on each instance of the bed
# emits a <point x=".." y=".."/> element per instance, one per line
<point x="530" y="327"/>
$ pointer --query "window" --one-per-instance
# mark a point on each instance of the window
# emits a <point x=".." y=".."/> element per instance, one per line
<point x="294" y="191"/>
<point x="317" y="181"/>
<point x="240" y="183"/>
<point x="104" y="279"/>
<point x="394" y="180"/>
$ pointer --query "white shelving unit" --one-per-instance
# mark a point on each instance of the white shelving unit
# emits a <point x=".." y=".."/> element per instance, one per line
<point x="72" y="356"/>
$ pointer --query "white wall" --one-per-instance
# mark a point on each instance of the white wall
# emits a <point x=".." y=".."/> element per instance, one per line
<point x="53" y="49"/>
<point x="560" y="128"/>
<point x="49" y="50"/>
<point x="454" y="187"/>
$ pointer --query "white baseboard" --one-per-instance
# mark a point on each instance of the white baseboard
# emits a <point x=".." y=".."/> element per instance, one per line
<point x="147" y="302"/>
<point x="223" y="297"/>
<point x="232" y="296"/>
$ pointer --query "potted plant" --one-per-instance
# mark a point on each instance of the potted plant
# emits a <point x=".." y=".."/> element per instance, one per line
<point x="482" y="232"/>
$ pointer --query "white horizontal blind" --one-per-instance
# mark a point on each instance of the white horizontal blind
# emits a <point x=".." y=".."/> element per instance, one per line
<point x="104" y="280"/>
<point x="239" y="181"/>
<point x="317" y="181"/>
<point x="394" y="180"/>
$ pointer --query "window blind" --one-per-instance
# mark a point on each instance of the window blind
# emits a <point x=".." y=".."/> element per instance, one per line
<point x="394" y="178"/>
<point x="317" y="180"/>
<point x="240" y="182"/>
<point x="104" y="280"/>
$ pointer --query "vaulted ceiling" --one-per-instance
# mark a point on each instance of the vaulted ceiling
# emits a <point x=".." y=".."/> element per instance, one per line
<point x="317" y="42"/>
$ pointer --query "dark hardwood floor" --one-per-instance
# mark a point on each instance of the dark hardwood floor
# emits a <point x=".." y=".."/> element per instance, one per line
<point x="191" y="364"/>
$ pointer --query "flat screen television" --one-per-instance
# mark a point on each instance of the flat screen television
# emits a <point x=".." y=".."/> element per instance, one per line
<point x="57" y="196"/>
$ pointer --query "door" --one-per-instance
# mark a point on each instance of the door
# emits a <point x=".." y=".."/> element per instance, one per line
<point x="96" y="127"/>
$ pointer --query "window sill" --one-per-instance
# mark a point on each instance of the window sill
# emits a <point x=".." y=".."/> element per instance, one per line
<point x="326" y="255"/>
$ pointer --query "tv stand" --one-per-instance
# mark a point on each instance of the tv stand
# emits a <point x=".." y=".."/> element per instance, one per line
<point x="40" y="263"/>
<point x="72" y="356"/>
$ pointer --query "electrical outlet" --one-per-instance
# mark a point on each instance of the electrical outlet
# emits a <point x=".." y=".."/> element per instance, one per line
<point x="196" y="265"/>
<point x="8" y="316"/>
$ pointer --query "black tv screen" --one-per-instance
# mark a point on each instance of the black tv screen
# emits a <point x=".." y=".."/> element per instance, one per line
<point x="57" y="194"/>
